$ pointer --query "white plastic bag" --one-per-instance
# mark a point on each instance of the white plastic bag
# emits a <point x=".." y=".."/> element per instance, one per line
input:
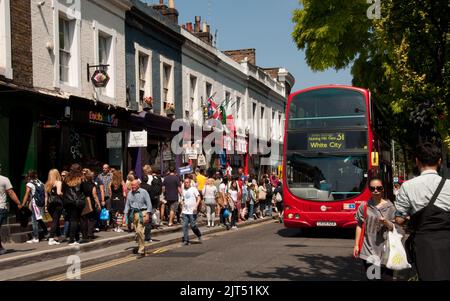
<point x="397" y="255"/>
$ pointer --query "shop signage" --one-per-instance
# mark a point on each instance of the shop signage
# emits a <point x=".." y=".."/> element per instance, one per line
<point x="113" y="140"/>
<point x="100" y="78"/>
<point x="326" y="141"/>
<point x="137" y="139"/>
<point x="104" y="119"/>
<point x="201" y="160"/>
<point x="191" y="153"/>
<point x="185" y="170"/>
<point x="167" y="154"/>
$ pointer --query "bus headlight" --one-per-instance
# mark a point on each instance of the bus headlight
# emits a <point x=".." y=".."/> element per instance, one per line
<point x="290" y="215"/>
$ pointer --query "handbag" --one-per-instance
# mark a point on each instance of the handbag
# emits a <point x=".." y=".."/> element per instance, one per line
<point x="363" y="228"/>
<point x="397" y="255"/>
<point x="104" y="215"/>
<point x="87" y="208"/>
<point x="278" y="197"/>
<point x="262" y="195"/>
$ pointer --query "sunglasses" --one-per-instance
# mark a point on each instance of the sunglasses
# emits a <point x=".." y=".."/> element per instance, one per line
<point x="377" y="188"/>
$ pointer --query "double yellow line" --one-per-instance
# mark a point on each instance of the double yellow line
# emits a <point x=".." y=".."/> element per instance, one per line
<point x="103" y="266"/>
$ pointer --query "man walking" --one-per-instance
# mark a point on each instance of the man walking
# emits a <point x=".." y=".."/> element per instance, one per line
<point x="172" y="189"/>
<point x="6" y="189"/>
<point x="426" y="200"/>
<point x="105" y="178"/>
<point x="138" y="208"/>
<point x="191" y="200"/>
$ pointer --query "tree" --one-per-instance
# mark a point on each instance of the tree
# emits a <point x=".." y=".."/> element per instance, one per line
<point x="403" y="57"/>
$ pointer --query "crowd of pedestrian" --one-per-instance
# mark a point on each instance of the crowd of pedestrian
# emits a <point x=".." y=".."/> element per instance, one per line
<point x="85" y="202"/>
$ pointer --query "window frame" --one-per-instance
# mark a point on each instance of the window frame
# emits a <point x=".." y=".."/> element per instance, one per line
<point x="171" y="83"/>
<point x="72" y="14"/>
<point x="5" y="31"/>
<point x="148" y="75"/>
<point x="108" y="93"/>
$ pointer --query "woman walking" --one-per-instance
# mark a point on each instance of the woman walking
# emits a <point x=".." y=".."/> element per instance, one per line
<point x="89" y="213"/>
<point x="209" y="194"/>
<point x="74" y="201"/>
<point x="234" y="194"/>
<point x="262" y="194"/>
<point x="54" y="205"/>
<point x="117" y="191"/>
<point x="374" y="221"/>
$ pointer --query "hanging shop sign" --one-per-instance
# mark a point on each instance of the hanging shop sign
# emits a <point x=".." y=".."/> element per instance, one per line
<point x="201" y="160"/>
<point x="46" y="124"/>
<point x="185" y="170"/>
<point x="103" y="119"/>
<point x="113" y="140"/>
<point x="167" y="154"/>
<point x="137" y="139"/>
<point x="191" y="153"/>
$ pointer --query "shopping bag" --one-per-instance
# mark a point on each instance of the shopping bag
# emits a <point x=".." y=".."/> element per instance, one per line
<point x="104" y="215"/>
<point x="397" y="255"/>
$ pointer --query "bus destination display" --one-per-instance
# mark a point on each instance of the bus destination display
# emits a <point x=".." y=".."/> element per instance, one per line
<point x="326" y="141"/>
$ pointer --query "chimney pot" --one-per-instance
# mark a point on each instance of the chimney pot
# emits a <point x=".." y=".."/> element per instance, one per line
<point x="171" y="3"/>
<point x="161" y="2"/>
<point x="197" y="24"/>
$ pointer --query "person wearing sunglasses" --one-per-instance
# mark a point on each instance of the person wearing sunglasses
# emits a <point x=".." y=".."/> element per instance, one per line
<point x="376" y="220"/>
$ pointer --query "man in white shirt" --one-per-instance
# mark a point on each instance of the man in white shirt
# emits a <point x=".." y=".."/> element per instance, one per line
<point x="191" y="200"/>
<point x="6" y="189"/>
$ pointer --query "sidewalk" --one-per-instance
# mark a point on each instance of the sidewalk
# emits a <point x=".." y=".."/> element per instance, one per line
<point x="37" y="261"/>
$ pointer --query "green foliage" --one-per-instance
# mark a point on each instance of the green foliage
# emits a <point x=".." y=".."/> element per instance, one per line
<point x="403" y="58"/>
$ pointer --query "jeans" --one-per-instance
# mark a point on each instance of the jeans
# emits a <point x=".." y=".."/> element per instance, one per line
<point x="190" y="219"/>
<point x="3" y="219"/>
<point x="87" y="225"/>
<point x="38" y="223"/>
<point x="234" y="217"/>
<point x="250" y="210"/>
<point x="74" y="228"/>
<point x="148" y="231"/>
<point x="55" y="212"/>
<point x="211" y="213"/>
<point x="269" y="207"/>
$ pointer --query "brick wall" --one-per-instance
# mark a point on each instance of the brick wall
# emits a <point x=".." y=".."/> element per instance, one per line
<point x="21" y="43"/>
<point x="240" y="55"/>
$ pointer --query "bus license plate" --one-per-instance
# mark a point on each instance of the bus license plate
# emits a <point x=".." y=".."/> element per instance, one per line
<point x="326" y="224"/>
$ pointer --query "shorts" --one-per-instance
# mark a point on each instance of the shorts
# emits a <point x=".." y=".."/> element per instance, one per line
<point x="173" y="205"/>
<point x="3" y="216"/>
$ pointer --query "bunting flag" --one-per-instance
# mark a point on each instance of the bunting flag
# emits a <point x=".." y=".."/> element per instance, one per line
<point x="213" y="108"/>
<point x="230" y="123"/>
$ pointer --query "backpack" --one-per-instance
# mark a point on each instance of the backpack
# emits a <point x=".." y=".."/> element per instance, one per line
<point x="39" y="193"/>
<point x="156" y="187"/>
<point x="74" y="197"/>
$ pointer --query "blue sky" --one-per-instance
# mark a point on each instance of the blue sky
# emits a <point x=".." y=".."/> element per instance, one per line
<point x="261" y="24"/>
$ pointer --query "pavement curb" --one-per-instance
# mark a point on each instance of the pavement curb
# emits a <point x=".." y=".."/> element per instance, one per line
<point x="45" y="255"/>
<point x="90" y="262"/>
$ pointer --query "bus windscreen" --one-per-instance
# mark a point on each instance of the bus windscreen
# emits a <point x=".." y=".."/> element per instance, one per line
<point x="325" y="108"/>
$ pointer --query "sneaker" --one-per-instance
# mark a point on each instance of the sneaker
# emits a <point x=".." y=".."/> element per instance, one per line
<point x="148" y="240"/>
<point x="234" y="228"/>
<point x="75" y="243"/>
<point x="33" y="241"/>
<point x="53" y="242"/>
<point x="2" y="251"/>
<point x="200" y="239"/>
<point x="119" y="230"/>
<point x="97" y="230"/>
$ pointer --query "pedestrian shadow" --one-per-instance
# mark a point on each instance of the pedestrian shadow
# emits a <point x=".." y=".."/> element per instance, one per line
<point x="10" y="251"/>
<point x="317" y="233"/>
<point x="315" y="267"/>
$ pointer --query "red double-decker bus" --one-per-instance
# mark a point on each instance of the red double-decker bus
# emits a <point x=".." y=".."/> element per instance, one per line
<point x="330" y="151"/>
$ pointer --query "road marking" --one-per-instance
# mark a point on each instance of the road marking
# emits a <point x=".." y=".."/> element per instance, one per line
<point x="119" y="261"/>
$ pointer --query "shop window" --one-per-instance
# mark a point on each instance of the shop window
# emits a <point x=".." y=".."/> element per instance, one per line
<point x="192" y="96"/>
